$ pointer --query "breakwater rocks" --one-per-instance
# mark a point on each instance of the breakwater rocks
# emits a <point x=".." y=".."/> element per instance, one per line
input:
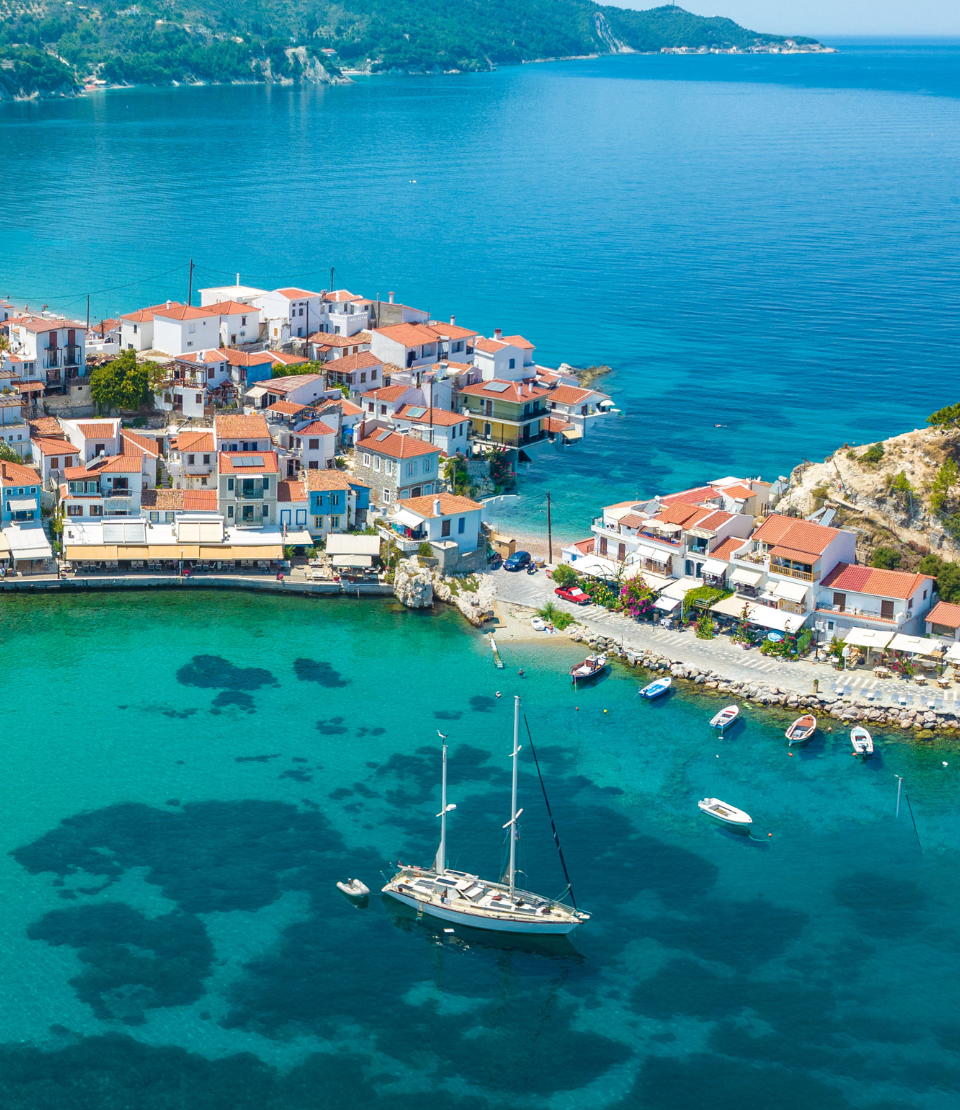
<point x="418" y="586"/>
<point x="852" y="711"/>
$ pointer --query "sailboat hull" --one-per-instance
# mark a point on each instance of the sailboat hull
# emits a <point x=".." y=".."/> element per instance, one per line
<point x="478" y="921"/>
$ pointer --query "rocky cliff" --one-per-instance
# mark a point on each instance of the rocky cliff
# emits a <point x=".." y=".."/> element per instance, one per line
<point x="900" y="493"/>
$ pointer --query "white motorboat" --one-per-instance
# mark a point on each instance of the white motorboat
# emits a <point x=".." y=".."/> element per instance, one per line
<point x="801" y="730"/>
<point x="464" y="899"/>
<point x="353" y="888"/>
<point x="862" y="742"/>
<point x="725" y="814"/>
<point x="656" y="689"/>
<point x="538" y="624"/>
<point x="725" y="717"/>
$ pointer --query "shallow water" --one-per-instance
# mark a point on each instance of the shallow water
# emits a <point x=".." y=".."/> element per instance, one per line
<point x="187" y="778"/>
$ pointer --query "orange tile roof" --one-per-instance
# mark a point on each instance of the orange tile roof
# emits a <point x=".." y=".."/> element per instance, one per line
<point x="725" y="549"/>
<point x="316" y="428"/>
<point x="269" y="465"/>
<point x="555" y="424"/>
<point x="320" y="480"/>
<point x="586" y="547"/>
<point x="691" y="496"/>
<point x="347" y="408"/>
<point x="361" y="361"/>
<point x="569" y="395"/>
<point x="408" y="335"/>
<point x="54" y="446"/>
<point x="449" y="505"/>
<point x="49" y="427"/>
<point x="945" y="614"/>
<point x="899" y="584"/>
<point x="285" y="408"/>
<point x="195" y="441"/>
<point x="326" y="339"/>
<point x="799" y="535"/>
<point x="440" y="418"/>
<point x="147" y="445"/>
<point x="16" y="474"/>
<point x="72" y="472"/>
<point x="519" y="341"/>
<point x="489" y="346"/>
<point x="253" y="426"/>
<point x="187" y="500"/>
<point x="396" y="446"/>
<point x="291" y="489"/>
<point x="339" y="296"/>
<point x="289" y="383"/>
<point x="248" y="358"/>
<point x="294" y="294"/>
<point x="713" y="520"/>
<point x="386" y="393"/>
<point x="451" y="331"/>
<point x="738" y="492"/>
<point x="143" y="314"/>
<point x="210" y="354"/>
<point x="39" y="324"/>
<point x="684" y="514"/>
<point x="288" y="360"/>
<point x="515" y="391"/>
<point x="117" y="464"/>
<point x="97" y="431"/>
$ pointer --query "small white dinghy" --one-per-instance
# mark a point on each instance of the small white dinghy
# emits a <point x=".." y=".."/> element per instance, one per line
<point x="353" y="888"/>
<point x="656" y="689"/>
<point x="725" y="814"/>
<point x="862" y="742"/>
<point x="725" y="717"/>
<point x="538" y="624"/>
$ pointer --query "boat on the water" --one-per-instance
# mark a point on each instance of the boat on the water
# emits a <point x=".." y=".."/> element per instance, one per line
<point x="862" y="742"/>
<point x="592" y="666"/>
<point x="725" y="717"/>
<point x="353" y="888"/>
<point x="460" y="898"/>
<point x="801" y="730"/>
<point x="655" y="689"/>
<point x="725" y="814"/>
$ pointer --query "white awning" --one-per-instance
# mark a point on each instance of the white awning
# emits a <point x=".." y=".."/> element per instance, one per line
<point x="915" y="645"/>
<point x="28" y="541"/>
<point x="744" y="577"/>
<point x="344" y="544"/>
<point x="297" y="537"/>
<point x="407" y="518"/>
<point x="954" y="653"/>
<point x="352" y="560"/>
<point x="715" y="566"/>
<point x="792" y="591"/>
<point x="779" y="619"/>
<point x="667" y="604"/>
<point x="678" y="589"/>
<point x="731" y="606"/>
<point x="124" y="531"/>
<point x="21" y="504"/>
<point x="868" y="637"/>
<point x="596" y="567"/>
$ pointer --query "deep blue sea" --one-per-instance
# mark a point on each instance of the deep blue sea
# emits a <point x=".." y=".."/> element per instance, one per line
<point x="765" y="243"/>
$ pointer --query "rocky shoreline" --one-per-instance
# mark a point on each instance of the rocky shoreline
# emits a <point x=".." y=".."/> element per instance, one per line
<point x="847" y="710"/>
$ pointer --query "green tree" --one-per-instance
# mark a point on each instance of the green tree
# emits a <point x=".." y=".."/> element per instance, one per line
<point x="565" y="576"/>
<point x="873" y="455"/>
<point x="7" y="454"/>
<point x="947" y="575"/>
<point x="945" y="480"/>
<point x="886" y="558"/>
<point x="123" y="383"/>
<point x="945" y="418"/>
<point x="282" y="370"/>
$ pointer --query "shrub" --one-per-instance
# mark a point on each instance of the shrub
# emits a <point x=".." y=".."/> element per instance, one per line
<point x="820" y="493"/>
<point x="705" y="629"/>
<point x="702" y="597"/>
<point x="425" y="550"/>
<point x="947" y="417"/>
<point x="555" y="616"/>
<point x="947" y="575"/>
<point x="636" y="598"/>
<point x="946" y="478"/>
<point x="873" y="455"/>
<point x="565" y="576"/>
<point x="886" y="558"/>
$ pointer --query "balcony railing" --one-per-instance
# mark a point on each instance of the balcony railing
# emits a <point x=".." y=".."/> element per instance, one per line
<point x="864" y="614"/>
<point x="794" y="572"/>
<point x="756" y="557"/>
<point x="660" y="539"/>
<point x="249" y="494"/>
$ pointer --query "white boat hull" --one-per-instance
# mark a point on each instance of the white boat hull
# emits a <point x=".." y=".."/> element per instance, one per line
<point x="478" y="921"/>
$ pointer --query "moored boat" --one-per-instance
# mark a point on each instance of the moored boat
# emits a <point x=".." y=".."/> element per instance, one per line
<point x="353" y="888"/>
<point x="725" y="814"/>
<point x="802" y="729"/>
<point x="460" y="898"/>
<point x="725" y="717"/>
<point x="862" y="742"/>
<point x="655" y="689"/>
<point x="592" y="666"/>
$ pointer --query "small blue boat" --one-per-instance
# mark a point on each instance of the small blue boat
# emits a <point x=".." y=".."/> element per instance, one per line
<point x="656" y="688"/>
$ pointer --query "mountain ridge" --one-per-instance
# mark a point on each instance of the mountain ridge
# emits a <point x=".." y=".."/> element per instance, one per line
<point x="51" y="46"/>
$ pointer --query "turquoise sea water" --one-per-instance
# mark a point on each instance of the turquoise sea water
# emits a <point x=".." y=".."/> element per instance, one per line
<point x="765" y="243"/>
<point x="186" y="778"/>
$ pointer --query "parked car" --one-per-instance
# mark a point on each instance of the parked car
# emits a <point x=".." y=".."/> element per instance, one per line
<point x="517" y="561"/>
<point x="574" y="594"/>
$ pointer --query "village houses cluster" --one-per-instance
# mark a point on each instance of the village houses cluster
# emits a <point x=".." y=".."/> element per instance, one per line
<point x="785" y="573"/>
<point x="249" y="458"/>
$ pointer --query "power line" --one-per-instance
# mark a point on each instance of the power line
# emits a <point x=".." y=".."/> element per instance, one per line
<point x="113" y="288"/>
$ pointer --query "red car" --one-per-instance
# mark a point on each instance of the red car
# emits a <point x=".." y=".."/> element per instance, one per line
<point x="574" y="594"/>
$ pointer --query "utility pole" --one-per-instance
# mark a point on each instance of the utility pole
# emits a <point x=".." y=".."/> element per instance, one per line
<point x="88" y="312"/>
<point x="190" y="286"/>
<point x="331" y="279"/>
<point x="549" y="533"/>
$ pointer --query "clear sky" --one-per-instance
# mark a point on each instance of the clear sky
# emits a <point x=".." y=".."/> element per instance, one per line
<point x="818" y="18"/>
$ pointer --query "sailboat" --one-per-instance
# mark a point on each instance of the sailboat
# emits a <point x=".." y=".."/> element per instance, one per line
<point x="465" y="899"/>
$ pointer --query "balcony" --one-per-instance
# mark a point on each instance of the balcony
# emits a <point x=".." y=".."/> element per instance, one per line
<point x="71" y="356"/>
<point x="660" y="539"/>
<point x="863" y="614"/>
<point x="249" y="494"/>
<point x="794" y="572"/>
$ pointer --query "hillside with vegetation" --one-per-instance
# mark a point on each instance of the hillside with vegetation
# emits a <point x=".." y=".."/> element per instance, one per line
<point x="48" y="46"/>
<point x="901" y="495"/>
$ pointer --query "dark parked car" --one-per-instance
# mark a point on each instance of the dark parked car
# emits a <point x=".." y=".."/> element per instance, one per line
<point x="517" y="561"/>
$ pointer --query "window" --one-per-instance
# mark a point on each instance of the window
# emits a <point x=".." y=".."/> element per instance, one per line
<point x="444" y="528"/>
<point x="318" y="522"/>
<point x="230" y="484"/>
<point x="168" y="516"/>
<point x="243" y="321"/>
<point x="206" y="459"/>
<point x="513" y="363"/>
<point x="363" y="376"/>
<point x="385" y="497"/>
<point x="300" y="313"/>
<point x="199" y="398"/>
<point x="366" y="459"/>
<point x="334" y="522"/>
<point x="840" y="601"/>
<point x="266" y="483"/>
<point x="191" y="328"/>
<point x="427" y="465"/>
<point x="74" y="510"/>
<point x="383" y="410"/>
<point x="370" y="406"/>
<point x="154" y="518"/>
<point x="886" y="610"/>
<point x="376" y="463"/>
<point x="335" y="500"/>
<point x="314" y="445"/>
<point x="96" y="510"/>
<point x="461" y="525"/>
<point x="412" y="466"/>
<point x="190" y="459"/>
<point x="603" y="550"/>
<point x="203" y="479"/>
<point x="229" y="510"/>
<point x="373" y="375"/>
<point x="210" y="373"/>
<point x="98" y="448"/>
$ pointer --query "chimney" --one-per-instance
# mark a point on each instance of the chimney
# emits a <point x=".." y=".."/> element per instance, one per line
<point x="436" y="506"/>
<point x="453" y="320"/>
<point x="498" y="334"/>
<point x="390" y="295"/>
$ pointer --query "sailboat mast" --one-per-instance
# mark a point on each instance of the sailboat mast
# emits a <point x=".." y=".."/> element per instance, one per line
<point x="440" y="864"/>
<point x="513" y="794"/>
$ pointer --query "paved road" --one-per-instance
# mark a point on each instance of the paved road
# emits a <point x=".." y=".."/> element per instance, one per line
<point x="721" y="654"/>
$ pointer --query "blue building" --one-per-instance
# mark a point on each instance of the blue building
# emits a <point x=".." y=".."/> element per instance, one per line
<point x="338" y="501"/>
<point x="19" y="494"/>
